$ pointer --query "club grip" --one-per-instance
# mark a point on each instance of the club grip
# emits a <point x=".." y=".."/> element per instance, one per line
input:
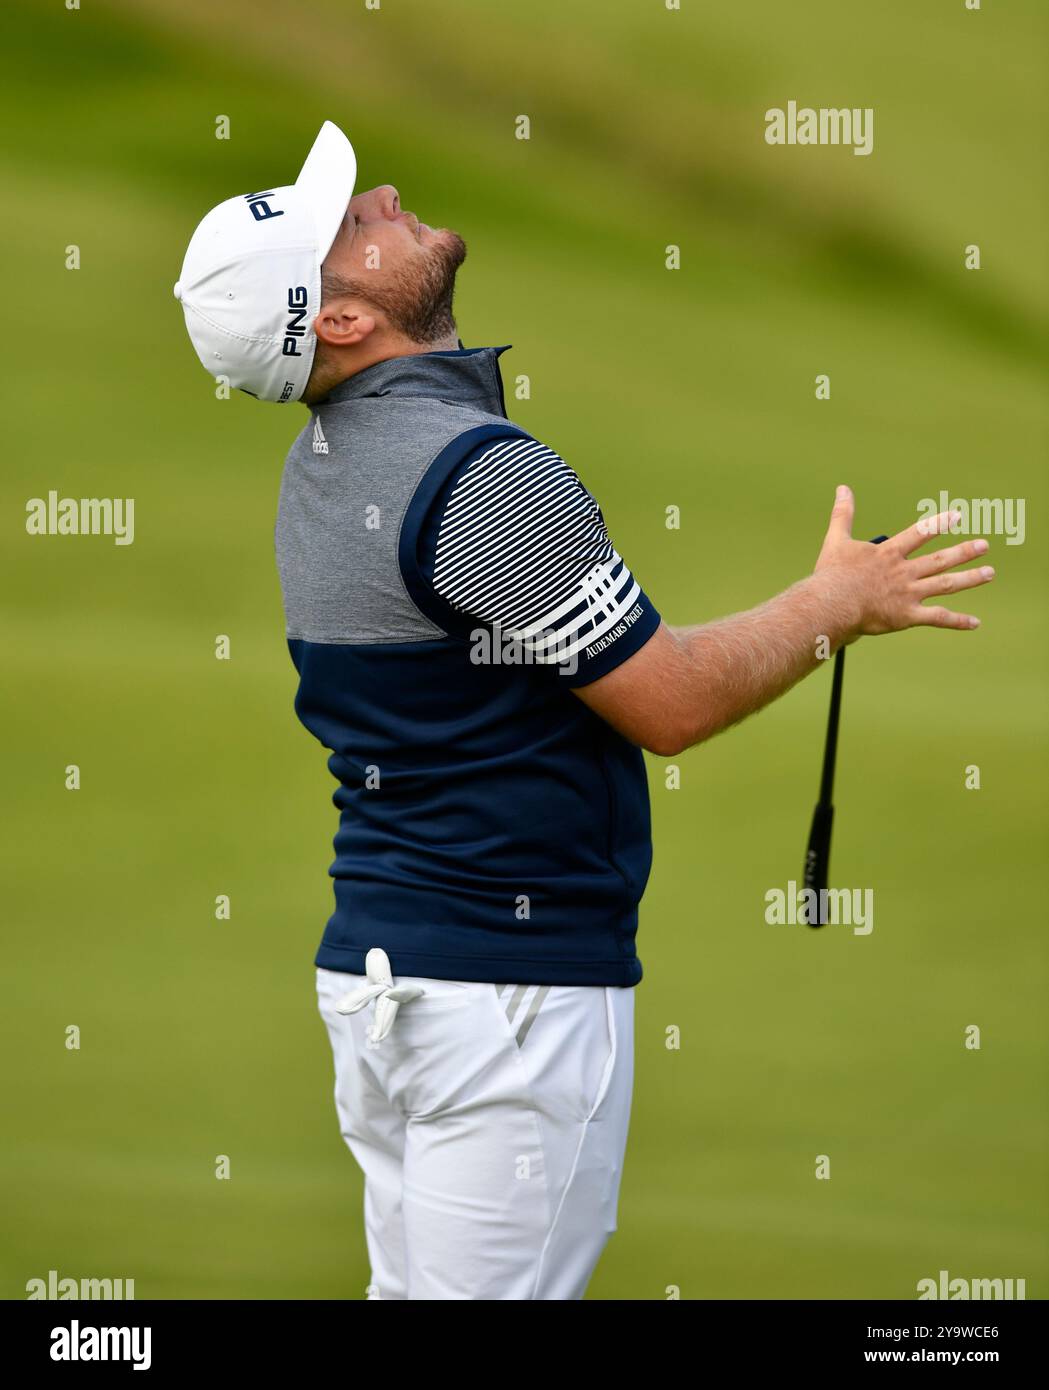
<point x="817" y="856"/>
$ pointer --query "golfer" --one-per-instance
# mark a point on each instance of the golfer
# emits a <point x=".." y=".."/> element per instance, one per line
<point x="484" y="668"/>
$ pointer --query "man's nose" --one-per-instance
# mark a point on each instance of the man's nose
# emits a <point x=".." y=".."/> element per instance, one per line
<point x="383" y="201"/>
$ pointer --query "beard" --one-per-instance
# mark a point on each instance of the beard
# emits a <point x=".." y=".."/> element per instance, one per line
<point x="417" y="299"/>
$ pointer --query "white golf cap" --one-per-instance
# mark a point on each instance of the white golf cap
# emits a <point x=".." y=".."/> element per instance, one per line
<point x="251" y="281"/>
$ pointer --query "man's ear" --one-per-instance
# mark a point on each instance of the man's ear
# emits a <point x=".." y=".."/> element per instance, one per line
<point x="343" y="323"/>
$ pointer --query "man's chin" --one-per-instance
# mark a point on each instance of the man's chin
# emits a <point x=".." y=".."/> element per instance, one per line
<point x="443" y="236"/>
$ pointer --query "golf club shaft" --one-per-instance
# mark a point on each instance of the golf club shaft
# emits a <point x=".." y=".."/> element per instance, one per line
<point x="817" y="854"/>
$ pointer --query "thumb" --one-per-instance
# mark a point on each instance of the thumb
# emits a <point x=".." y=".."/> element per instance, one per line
<point x="840" y="527"/>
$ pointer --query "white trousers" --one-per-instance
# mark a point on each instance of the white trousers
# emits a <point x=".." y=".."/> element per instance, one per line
<point x="490" y="1124"/>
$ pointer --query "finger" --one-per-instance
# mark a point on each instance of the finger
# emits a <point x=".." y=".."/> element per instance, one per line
<point x="840" y="527"/>
<point x="943" y="617"/>
<point x="923" y="530"/>
<point x="946" y="559"/>
<point x="952" y="583"/>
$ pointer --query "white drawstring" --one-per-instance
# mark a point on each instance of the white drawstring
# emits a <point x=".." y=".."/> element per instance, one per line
<point x="388" y="996"/>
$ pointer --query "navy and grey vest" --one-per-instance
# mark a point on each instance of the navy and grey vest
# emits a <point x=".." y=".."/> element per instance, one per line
<point x="491" y="828"/>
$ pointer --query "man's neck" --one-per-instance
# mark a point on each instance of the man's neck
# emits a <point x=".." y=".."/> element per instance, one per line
<point x="366" y="354"/>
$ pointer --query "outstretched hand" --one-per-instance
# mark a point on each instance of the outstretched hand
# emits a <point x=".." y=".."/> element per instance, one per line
<point x="886" y="585"/>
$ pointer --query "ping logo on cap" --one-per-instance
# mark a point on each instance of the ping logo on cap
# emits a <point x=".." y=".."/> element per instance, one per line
<point x="298" y="303"/>
<point x="260" y="209"/>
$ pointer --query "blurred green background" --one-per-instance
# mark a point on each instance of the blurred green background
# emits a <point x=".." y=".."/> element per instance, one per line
<point x="692" y="387"/>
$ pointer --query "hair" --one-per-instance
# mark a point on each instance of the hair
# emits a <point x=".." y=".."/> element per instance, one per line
<point x="416" y="300"/>
<point x="323" y="375"/>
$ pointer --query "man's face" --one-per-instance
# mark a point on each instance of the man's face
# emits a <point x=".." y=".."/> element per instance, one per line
<point x="402" y="266"/>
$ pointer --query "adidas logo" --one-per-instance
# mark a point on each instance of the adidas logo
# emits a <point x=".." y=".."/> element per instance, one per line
<point x="320" y="444"/>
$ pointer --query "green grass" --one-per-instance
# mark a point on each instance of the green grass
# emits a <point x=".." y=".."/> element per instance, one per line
<point x="692" y="388"/>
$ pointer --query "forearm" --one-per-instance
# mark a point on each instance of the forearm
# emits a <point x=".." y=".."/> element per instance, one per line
<point x="688" y="683"/>
<point x="735" y="666"/>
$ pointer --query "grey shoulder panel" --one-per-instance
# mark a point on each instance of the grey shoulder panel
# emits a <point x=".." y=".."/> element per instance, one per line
<point x="347" y="483"/>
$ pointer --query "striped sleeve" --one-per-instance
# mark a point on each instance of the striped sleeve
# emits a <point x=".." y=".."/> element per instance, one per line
<point x="521" y="546"/>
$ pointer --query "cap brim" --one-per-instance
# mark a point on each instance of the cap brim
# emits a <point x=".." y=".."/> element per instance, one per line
<point x="326" y="180"/>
